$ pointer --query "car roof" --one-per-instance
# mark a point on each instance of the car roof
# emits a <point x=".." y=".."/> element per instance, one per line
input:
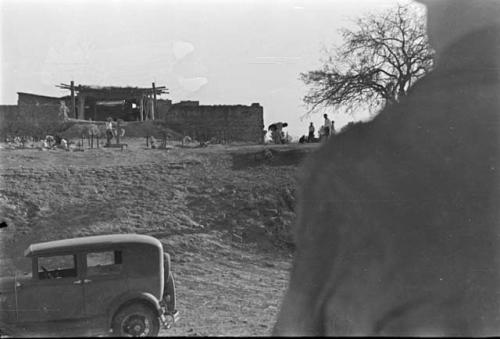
<point x="90" y="242"/>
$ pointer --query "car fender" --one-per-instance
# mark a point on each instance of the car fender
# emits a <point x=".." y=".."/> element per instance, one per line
<point x="131" y="297"/>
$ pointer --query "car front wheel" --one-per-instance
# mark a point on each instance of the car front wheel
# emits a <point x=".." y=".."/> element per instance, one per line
<point x="136" y="320"/>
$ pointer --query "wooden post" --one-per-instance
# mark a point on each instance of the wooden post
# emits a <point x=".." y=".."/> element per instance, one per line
<point x="73" y="101"/>
<point x="150" y="107"/>
<point x="154" y="103"/>
<point x="141" y="108"/>
<point x="81" y="106"/>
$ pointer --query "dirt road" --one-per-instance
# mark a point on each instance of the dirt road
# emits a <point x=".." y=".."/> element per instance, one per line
<point x="234" y="292"/>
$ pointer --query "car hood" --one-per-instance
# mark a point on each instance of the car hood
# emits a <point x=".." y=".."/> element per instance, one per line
<point x="7" y="284"/>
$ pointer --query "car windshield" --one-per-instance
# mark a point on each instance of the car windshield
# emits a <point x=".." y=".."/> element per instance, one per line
<point x="57" y="266"/>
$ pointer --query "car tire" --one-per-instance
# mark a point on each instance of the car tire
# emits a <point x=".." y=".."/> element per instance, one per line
<point x="136" y="320"/>
<point x="166" y="264"/>
<point x="169" y="294"/>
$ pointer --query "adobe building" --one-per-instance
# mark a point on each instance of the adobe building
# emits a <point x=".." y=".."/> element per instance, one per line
<point x="89" y="103"/>
<point x="222" y="123"/>
<point x="32" y="113"/>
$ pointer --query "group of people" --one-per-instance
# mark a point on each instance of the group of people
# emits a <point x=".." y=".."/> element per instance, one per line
<point x="50" y="142"/>
<point x="113" y="131"/>
<point x="277" y="134"/>
<point x="327" y="129"/>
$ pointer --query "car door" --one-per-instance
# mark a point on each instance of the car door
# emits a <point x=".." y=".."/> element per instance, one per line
<point x="54" y="293"/>
<point x="104" y="280"/>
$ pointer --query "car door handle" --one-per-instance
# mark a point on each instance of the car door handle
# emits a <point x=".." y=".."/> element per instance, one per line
<point x="77" y="282"/>
<point x="86" y="281"/>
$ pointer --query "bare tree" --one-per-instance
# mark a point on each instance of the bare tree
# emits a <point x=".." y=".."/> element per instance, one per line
<point x="377" y="63"/>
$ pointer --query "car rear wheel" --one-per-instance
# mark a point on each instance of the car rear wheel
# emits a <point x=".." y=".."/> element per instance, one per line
<point x="136" y="320"/>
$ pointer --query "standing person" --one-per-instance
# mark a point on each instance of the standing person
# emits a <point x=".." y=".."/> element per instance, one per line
<point x="310" y="138"/>
<point x="279" y="133"/>
<point x="109" y="130"/>
<point x="63" y="110"/>
<point x="274" y="136"/>
<point x="397" y="232"/>
<point x="327" y="125"/>
<point x="332" y="128"/>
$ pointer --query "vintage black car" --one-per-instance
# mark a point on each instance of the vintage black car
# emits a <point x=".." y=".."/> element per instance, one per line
<point x="108" y="284"/>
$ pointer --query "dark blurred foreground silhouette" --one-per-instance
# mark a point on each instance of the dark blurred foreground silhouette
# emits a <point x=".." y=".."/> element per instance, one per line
<point x="398" y="221"/>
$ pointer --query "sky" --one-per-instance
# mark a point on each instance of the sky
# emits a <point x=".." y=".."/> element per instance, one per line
<point x="213" y="51"/>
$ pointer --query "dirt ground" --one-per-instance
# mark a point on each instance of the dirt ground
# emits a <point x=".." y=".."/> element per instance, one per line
<point x="224" y="214"/>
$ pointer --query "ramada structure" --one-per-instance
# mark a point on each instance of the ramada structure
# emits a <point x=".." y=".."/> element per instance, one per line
<point x="127" y="103"/>
<point x="202" y="122"/>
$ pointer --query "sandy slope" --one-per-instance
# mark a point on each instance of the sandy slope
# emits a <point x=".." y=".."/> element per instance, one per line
<point x="223" y="212"/>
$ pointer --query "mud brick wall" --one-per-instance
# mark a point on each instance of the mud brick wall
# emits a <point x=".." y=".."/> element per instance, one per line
<point x="38" y="108"/>
<point x="8" y="113"/>
<point x="36" y="115"/>
<point x="225" y="123"/>
<point x="162" y="106"/>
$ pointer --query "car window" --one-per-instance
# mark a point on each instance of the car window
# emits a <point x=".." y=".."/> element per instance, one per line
<point x="57" y="267"/>
<point x="104" y="263"/>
